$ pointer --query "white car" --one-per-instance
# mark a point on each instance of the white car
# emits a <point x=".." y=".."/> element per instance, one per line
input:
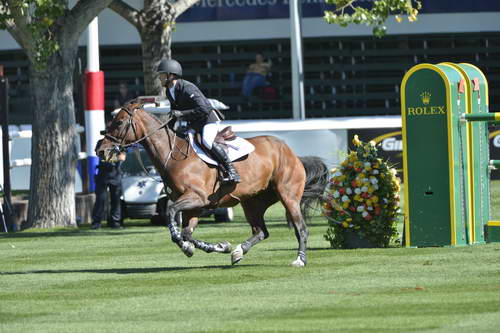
<point x="143" y="194"/>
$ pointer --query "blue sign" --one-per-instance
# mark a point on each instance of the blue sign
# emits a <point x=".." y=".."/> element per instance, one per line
<point x="225" y="10"/>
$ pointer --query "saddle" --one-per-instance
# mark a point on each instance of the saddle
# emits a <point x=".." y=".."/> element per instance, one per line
<point x="226" y="134"/>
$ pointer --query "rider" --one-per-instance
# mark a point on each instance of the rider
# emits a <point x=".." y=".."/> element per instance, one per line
<point x="187" y="102"/>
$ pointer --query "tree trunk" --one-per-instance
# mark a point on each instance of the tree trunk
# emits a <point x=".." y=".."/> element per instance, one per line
<point x="156" y="41"/>
<point x="54" y="150"/>
<point x="154" y="48"/>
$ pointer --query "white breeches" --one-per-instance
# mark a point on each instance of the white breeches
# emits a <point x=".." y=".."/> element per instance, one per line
<point x="209" y="133"/>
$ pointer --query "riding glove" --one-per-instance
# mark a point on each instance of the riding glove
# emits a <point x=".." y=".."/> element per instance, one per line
<point x="177" y="113"/>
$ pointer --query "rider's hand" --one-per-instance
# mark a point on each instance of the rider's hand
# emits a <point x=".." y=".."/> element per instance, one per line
<point x="177" y="113"/>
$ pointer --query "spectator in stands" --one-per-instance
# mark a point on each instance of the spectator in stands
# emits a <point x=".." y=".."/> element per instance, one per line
<point x="123" y="96"/>
<point x="256" y="76"/>
<point x="108" y="178"/>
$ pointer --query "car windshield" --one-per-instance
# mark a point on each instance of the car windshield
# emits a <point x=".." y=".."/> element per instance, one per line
<point x="132" y="166"/>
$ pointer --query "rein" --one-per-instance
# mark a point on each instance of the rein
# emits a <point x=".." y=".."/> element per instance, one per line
<point x="120" y="145"/>
<point x="131" y="124"/>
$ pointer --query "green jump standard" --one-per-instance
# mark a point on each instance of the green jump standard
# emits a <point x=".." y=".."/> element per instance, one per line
<point x="444" y="111"/>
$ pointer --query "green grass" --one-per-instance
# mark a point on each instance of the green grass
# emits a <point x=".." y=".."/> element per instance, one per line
<point x="136" y="280"/>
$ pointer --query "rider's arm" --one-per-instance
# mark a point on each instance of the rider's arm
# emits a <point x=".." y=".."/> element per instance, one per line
<point x="202" y="105"/>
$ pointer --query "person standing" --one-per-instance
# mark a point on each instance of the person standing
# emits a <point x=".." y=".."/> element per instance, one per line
<point x="108" y="178"/>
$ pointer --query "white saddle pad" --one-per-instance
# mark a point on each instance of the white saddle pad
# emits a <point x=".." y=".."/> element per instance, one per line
<point x="237" y="148"/>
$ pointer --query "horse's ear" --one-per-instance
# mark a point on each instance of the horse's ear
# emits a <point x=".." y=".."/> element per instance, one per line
<point x="103" y="132"/>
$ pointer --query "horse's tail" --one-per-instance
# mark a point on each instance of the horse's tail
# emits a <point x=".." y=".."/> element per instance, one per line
<point x="316" y="181"/>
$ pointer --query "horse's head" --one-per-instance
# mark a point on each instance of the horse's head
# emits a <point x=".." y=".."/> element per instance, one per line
<point x="125" y="130"/>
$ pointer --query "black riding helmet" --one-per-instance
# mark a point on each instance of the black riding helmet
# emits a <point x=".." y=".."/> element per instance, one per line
<point x="170" y="66"/>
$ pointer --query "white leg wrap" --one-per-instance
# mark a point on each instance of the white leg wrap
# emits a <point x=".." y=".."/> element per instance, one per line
<point x="237" y="254"/>
<point x="187" y="248"/>
<point x="298" y="262"/>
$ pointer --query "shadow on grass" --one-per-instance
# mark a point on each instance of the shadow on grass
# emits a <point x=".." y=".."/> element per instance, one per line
<point x="295" y="249"/>
<point x="72" y="233"/>
<point x="128" y="270"/>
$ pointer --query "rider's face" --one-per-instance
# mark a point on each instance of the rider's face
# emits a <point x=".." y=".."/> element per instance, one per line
<point x="167" y="78"/>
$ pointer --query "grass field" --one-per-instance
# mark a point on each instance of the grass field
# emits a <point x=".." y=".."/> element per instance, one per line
<point x="136" y="280"/>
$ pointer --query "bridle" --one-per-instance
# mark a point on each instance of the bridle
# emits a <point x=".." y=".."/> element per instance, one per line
<point x="119" y="144"/>
<point x="131" y="124"/>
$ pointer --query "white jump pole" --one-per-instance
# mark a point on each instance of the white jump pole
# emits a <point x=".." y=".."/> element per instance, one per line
<point x="94" y="100"/>
<point x="298" y="100"/>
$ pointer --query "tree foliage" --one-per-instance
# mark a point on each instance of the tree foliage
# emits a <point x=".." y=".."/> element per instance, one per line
<point x="346" y="12"/>
<point x="37" y="18"/>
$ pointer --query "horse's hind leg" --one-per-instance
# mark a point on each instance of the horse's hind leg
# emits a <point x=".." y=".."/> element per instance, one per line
<point x="254" y="209"/>
<point x="295" y="218"/>
<point x="189" y="223"/>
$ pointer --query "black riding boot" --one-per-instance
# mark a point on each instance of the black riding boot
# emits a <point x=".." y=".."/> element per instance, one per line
<point x="220" y="153"/>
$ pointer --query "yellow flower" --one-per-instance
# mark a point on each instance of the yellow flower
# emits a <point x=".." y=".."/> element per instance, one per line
<point x="356" y="141"/>
<point x="345" y="205"/>
<point x="374" y="199"/>
<point x="345" y="224"/>
<point x="348" y="219"/>
<point x="398" y="18"/>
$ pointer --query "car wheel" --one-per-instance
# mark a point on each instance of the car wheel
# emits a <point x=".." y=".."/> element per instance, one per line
<point x="161" y="211"/>
<point x="223" y="215"/>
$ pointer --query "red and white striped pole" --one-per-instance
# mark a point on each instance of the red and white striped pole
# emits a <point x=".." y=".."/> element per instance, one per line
<point x="94" y="100"/>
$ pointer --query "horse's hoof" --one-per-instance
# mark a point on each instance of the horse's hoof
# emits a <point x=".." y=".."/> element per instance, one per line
<point x="187" y="248"/>
<point x="237" y="255"/>
<point x="298" y="263"/>
<point x="223" y="247"/>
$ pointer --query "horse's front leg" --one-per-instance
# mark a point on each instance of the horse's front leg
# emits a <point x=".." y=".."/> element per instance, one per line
<point x="187" y="201"/>
<point x="189" y="224"/>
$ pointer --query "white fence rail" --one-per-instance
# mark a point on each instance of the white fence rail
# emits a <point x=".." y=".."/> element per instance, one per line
<point x="20" y="157"/>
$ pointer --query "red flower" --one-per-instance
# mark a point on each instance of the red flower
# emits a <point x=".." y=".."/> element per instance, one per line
<point x="377" y="210"/>
<point x="342" y="190"/>
<point x="354" y="183"/>
<point x="368" y="217"/>
<point x="352" y="208"/>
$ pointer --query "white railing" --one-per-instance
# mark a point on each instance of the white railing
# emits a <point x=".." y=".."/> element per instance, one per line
<point x="20" y="150"/>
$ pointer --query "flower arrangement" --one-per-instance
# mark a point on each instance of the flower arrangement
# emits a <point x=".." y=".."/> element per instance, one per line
<point x="362" y="198"/>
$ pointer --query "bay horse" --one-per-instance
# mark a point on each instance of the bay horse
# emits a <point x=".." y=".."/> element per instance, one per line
<point x="269" y="174"/>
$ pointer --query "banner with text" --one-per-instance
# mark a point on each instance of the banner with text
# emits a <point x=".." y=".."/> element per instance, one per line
<point x="225" y="10"/>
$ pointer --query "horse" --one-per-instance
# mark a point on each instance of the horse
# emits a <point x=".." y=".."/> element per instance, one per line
<point x="271" y="173"/>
